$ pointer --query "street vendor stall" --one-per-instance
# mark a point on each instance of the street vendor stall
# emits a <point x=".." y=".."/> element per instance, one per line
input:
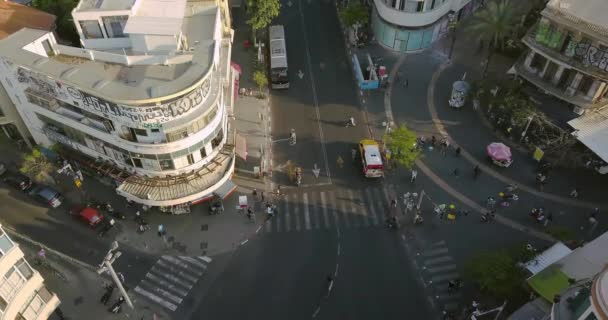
<point x="367" y="78"/>
<point x="499" y="154"/>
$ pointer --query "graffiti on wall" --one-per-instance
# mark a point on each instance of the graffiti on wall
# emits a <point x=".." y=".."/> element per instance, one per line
<point x="588" y="54"/>
<point x="152" y="116"/>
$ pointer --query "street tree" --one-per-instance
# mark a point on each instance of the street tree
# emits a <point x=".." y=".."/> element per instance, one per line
<point x="62" y="9"/>
<point x="261" y="13"/>
<point x="36" y="165"/>
<point x="401" y="142"/>
<point x="496" y="273"/>
<point x="354" y="15"/>
<point x="260" y="78"/>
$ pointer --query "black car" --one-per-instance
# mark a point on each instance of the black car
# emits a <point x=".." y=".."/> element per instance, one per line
<point x="17" y="181"/>
<point x="47" y="195"/>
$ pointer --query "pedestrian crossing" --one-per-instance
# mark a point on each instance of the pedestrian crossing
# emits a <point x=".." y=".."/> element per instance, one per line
<point x="340" y="208"/>
<point x="439" y="268"/>
<point x="171" y="278"/>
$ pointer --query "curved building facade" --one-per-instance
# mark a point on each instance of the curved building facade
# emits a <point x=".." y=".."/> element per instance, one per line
<point x="412" y="25"/>
<point x="149" y="94"/>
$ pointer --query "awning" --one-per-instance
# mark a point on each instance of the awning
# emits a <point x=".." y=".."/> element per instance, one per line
<point x="236" y="67"/>
<point x="225" y="190"/>
<point x="547" y="258"/>
<point x="241" y="146"/>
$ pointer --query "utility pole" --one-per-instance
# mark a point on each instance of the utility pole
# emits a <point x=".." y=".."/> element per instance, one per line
<point x="106" y="266"/>
<point x="420" y="200"/>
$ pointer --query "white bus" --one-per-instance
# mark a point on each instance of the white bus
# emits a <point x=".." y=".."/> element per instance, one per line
<point x="279" y="78"/>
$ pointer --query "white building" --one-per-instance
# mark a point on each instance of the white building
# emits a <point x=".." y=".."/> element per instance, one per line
<point x="413" y="25"/>
<point x="23" y="295"/>
<point x="149" y="94"/>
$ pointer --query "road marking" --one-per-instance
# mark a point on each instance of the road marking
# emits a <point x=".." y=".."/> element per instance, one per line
<point x="334" y="209"/>
<point x="371" y="207"/>
<point x="433" y="261"/>
<point x="268" y="225"/>
<point x="296" y="210"/>
<point x="325" y="209"/>
<point x="173" y="278"/>
<point x="378" y="195"/>
<point x="182" y="264"/>
<point x="287" y="215"/>
<point x="435" y="252"/>
<point x="444" y="277"/>
<point x="205" y="258"/>
<point x="161" y="292"/>
<point x="353" y="208"/>
<point x="306" y="211"/>
<point x="166" y="284"/>
<point x="244" y="241"/>
<point x="345" y="214"/>
<point x="156" y="299"/>
<point x="193" y="261"/>
<point x="315" y="219"/>
<point x="176" y="271"/>
<point x="448" y="267"/>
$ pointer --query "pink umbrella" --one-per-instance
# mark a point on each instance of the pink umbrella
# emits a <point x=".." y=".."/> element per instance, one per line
<point x="498" y="151"/>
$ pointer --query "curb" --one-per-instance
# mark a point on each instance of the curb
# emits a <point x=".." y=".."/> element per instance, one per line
<point x="63" y="256"/>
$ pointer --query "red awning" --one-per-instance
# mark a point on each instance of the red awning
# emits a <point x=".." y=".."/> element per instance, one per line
<point x="241" y="147"/>
<point x="236" y="67"/>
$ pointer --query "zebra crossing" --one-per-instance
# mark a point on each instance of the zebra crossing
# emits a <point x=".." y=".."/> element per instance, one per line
<point x="168" y="282"/>
<point x="344" y="208"/>
<point x="438" y="269"/>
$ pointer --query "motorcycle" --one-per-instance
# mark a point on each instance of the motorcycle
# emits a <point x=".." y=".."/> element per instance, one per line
<point x="298" y="176"/>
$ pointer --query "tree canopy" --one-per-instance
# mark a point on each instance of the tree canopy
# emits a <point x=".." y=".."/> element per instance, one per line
<point x="261" y="12"/>
<point x="259" y="77"/>
<point x="495" y="22"/>
<point x="62" y="9"/>
<point x="497" y="273"/>
<point x="37" y="166"/>
<point x="401" y="143"/>
<point x="354" y="14"/>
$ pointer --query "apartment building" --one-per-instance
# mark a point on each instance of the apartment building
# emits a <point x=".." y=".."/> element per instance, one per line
<point x="149" y="93"/>
<point x="567" y="53"/>
<point x="414" y="25"/>
<point x="23" y="295"/>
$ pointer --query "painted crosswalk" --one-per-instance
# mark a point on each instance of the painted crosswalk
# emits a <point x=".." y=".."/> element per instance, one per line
<point x="439" y="268"/>
<point x="170" y="280"/>
<point x="343" y="208"/>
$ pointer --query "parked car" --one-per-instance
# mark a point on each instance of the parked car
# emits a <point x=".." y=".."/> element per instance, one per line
<point x="2" y="168"/>
<point x="47" y="195"/>
<point x="17" y="181"/>
<point x="90" y="215"/>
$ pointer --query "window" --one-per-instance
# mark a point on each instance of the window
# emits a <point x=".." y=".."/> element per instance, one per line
<point x="420" y="6"/>
<point x="24" y="268"/>
<point x="155" y="130"/>
<point x="432" y="4"/>
<point x="115" y="25"/>
<point x="137" y="163"/>
<point x="166" y="164"/>
<point x="91" y="29"/>
<point x="5" y="243"/>
<point x="140" y="132"/>
<point x="394" y="4"/>
<point x="203" y="153"/>
<point x="190" y="159"/>
<point x="3" y="304"/>
<point x="48" y="48"/>
<point x="218" y="139"/>
<point x="31" y="310"/>
<point x="11" y="283"/>
<point x="402" y="4"/>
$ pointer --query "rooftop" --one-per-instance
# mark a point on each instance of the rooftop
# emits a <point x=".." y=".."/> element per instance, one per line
<point x="14" y="17"/>
<point x="162" y="17"/>
<point x="592" y="130"/>
<point x="104" y="5"/>
<point x="127" y="79"/>
<point x="590" y="14"/>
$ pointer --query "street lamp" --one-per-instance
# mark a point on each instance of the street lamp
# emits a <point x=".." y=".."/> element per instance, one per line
<point x="106" y="266"/>
<point x="452" y="29"/>
<point x="523" y="134"/>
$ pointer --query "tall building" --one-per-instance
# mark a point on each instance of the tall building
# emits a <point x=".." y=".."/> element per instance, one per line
<point x="23" y="295"/>
<point x="586" y="300"/>
<point x="567" y="54"/>
<point x="16" y="17"/>
<point x="148" y="95"/>
<point x="413" y="25"/>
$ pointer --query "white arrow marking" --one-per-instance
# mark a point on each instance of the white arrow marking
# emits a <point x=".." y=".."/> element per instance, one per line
<point x="300" y="74"/>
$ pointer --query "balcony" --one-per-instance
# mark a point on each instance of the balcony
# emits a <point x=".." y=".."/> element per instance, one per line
<point x="411" y="19"/>
<point x="581" y="54"/>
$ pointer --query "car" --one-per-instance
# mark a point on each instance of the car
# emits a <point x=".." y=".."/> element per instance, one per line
<point x="47" y="195"/>
<point x="90" y="215"/>
<point x="17" y="181"/>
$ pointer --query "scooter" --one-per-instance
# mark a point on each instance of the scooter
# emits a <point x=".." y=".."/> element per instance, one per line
<point x="115" y="308"/>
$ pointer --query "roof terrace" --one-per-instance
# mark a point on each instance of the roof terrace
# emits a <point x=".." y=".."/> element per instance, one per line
<point x="104" y="5"/>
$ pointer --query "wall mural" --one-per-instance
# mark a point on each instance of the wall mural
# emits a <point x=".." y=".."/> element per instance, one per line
<point x="138" y="117"/>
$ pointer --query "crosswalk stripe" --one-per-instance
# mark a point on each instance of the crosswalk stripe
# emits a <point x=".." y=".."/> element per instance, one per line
<point x="442" y="268"/>
<point x="182" y="264"/>
<point x="166" y="284"/>
<point x="334" y="209"/>
<point x="353" y="208"/>
<point x="205" y="258"/>
<point x="444" y="277"/>
<point x="306" y="211"/>
<point x="296" y="216"/>
<point x="193" y="261"/>
<point x="378" y="195"/>
<point x="156" y="298"/>
<point x="160" y="292"/>
<point x="435" y="252"/>
<point x="173" y="278"/>
<point x="363" y="210"/>
<point x="287" y="215"/>
<point x="325" y="209"/>
<point x="433" y="261"/>
<point x="268" y="225"/>
<point x="176" y="271"/>
<point x="345" y="214"/>
<point x="314" y="215"/>
<point x="371" y="206"/>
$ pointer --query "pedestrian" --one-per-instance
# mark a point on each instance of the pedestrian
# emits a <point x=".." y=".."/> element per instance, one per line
<point x="458" y="151"/>
<point x="398" y="76"/>
<point x="107" y="295"/>
<point x="254" y="193"/>
<point x="278" y="190"/>
<point x="476" y="172"/>
<point x="574" y="193"/>
<point x="161" y="230"/>
<point x="405" y="83"/>
<point x="548" y="219"/>
<point x="115" y="308"/>
<point x="262" y="196"/>
<point x="456" y="172"/>
<point x="414" y="176"/>
<point x="340" y="162"/>
<point x="353" y="152"/>
<point x="433" y="141"/>
<point x="394" y="203"/>
<point x="490" y="203"/>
